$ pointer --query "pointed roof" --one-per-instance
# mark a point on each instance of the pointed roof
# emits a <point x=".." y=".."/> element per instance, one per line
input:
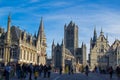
<point x="95" y="35"/>
<point x="8" y="28"/>
<point x="82" y="44"/>
<point x="35" y="35"/>
<point x="101" y="33"/>
<point x="9" y="18"/>
<point x="95" y="31"/>
<point x="53" y="43"/>
<point x="41" y="30"/>
<point x="62" y="42"/>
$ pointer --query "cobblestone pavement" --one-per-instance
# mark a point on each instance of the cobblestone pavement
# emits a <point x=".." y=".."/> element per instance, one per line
<point x="77" y="76"/>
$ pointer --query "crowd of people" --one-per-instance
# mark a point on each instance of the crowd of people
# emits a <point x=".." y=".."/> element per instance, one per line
<point x="24" y="70"/>
<point x="21" y="71"/>
<point x="109" y="70"/>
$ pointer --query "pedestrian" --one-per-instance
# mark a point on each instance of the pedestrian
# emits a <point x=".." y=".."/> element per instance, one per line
<point x="69" y="69"/>
<point x="110" y="72"/>
<point x="118" y="72"/>
<point x="30" y="70"/>
<point x="60" y="71"/>
<point x="36" y="70"/>
<point x="49" y="71"/>
<point x="72" y="70"/>
<point x="7" y="71"/>
<point x="45" y="70"/>
<point x="86" y="70"/>
<point x="40" y="69"/>
<point x="18" y="71"/>
<point x="95" y="69"/>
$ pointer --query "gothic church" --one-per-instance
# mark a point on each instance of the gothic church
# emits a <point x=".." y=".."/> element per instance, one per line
<point x="68" y="53"/>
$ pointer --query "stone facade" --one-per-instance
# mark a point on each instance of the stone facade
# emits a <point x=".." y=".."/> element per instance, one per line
<point x="68" y="54"/>
<point x="102" y="54"/>
<point x="98" y="50"/>
<point x="17" y="46"/>
<point x="114" y="54"/>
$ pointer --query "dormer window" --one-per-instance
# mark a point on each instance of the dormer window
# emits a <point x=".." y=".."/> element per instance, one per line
<point x="102" y="48"/>
<point x="101" y="38"/>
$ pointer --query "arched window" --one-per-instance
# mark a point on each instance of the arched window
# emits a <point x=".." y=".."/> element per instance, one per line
<point x="101" y="38"/>
<point x="58" y="58"/>
<point x="102" y="48"/>
<point x="1" y="52"/>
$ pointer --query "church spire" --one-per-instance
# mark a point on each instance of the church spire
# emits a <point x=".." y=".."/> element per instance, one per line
<point x="41" y="34"/>
<point x="8" y="29"/>
<point x="95" y="35"/>
<point x="62" y="42"/>
<point x="53" y="43"/>
<point x="101" y="33"/>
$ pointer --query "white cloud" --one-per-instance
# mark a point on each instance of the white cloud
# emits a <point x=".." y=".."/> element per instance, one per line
<point x="86" y="16"/>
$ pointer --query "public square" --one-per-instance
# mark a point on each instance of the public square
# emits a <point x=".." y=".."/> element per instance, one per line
<point x="59" y="40"/>
<point x="76" y="76"/>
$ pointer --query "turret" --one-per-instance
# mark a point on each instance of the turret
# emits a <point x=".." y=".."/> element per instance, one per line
<point x="90" y="43"/>
<point x="101" y="33"/>
<point x="95" y="35"/>
<point x="53" y="58"/>
<point x="84" y="53"/>
<point x="35" y="35"/>
<point x="62" y="44"/>
<point x="65" y="26"/>
<point x="53" y="44"/>
<point x="8" y="30"/>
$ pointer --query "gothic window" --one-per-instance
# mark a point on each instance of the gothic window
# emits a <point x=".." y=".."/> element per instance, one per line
<point x="28" y="56"/>
<point x="33" y="57"/>
<point x="101" y="38"/>
<point x="98" y="58"/>
<point x="118" y="61"/>
<point x="77" y="53"/>
<point x="1" y="52"/>
<point x="21" y="57"/>
<point x="58" y="58"/>
<point x="13" y="52"/>
<point x="24" y="54"/>
<point x="102" y="48"/>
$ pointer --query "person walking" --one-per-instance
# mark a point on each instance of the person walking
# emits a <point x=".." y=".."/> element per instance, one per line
<point x="7" y="71"/>
<point x="45" y="70"/>
<point x="86" y="70"/>
<point x="36" y="71"/>
<point x="30" y="71"/>
<point x="40" y="69"/>
<point x="110" y="72"/>
<point x="49" y="71"/>
<point x="118" y="72"/>
<point x="60" y="71"/>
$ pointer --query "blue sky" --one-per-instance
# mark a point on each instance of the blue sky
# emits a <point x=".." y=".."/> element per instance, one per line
<point x="87" y="14"/>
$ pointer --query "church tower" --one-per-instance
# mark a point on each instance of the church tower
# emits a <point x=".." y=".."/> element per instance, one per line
<point x="71" y="37"/>
<point x="7" y="42"/>
<point x="41" y="44"/>
<point x="53" y="58"/>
